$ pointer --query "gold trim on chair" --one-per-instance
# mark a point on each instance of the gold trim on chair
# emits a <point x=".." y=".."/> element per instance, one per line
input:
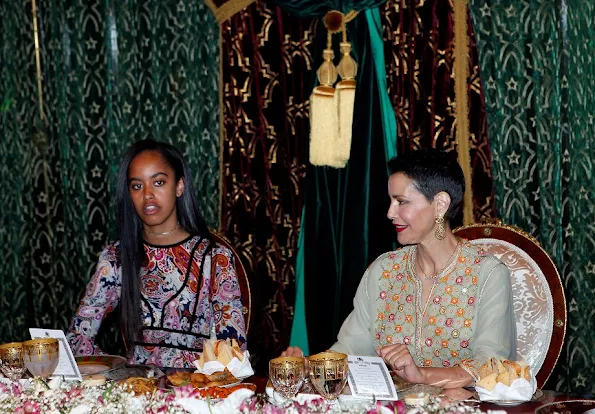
<point x="489" y="223"/>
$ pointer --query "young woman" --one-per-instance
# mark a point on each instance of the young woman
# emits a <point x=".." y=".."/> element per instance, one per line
<point x="437" y="308"/>
<point x="174" y="285"/>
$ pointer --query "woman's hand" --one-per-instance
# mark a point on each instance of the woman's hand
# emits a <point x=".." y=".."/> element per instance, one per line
<point x="398" y="358"/>
<point x="293" y="351"/>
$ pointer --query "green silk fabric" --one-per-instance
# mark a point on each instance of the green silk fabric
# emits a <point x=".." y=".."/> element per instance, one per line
<point x="538" y="71"/>
<point x="113" y="72"/>
<point x="344" y="208"/>
<point x="376" y="65"/>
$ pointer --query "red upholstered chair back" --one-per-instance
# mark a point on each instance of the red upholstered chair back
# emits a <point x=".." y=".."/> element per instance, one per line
<point x="539" y="301"/>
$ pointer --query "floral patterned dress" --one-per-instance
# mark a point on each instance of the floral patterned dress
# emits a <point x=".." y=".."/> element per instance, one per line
<point x="467" y="318"/>
<point x="188" y="291"/>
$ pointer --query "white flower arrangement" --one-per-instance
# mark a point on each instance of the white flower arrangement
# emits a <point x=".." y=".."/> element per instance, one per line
<point x="75" y="399"/>
<point x="114" y="398"/>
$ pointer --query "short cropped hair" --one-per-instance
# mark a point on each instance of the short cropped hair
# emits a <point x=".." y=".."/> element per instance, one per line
<point x="433" y="171"/>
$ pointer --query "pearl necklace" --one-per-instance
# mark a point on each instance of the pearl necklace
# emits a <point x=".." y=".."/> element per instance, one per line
<point x="165" y="233"/>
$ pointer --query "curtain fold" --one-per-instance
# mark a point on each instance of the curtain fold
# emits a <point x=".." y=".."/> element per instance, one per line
<point x="345" y="211"/>
<point x="267" y="63"/>
<point x="539" y="71"/>
<point x="420" y="62"/>
<point x="389" y="124"/>
<point x="112" y="73"/>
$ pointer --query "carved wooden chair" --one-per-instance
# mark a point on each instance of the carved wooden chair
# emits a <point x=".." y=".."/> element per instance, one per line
<point x="242" y="277"/>
<point x="538" y="294"/>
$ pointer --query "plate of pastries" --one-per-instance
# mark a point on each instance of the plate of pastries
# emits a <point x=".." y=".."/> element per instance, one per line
<point x="218" y="384"/>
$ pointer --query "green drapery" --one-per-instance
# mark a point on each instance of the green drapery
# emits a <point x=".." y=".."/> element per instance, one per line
<point x="345" y="209"/>
<point x="335" y="246"/>
<point x="538" y="69"/>
<point x="113" y="72"/>
<point x="299" y="334"/>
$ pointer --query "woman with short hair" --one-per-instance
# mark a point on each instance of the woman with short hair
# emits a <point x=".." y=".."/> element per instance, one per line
<point x="437" y="308"/>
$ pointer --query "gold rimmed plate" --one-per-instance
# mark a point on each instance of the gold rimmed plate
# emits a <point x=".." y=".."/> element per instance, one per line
<point x="98" y="364"/>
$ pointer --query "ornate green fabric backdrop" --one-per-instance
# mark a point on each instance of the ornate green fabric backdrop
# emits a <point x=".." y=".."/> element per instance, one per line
<point x="113" y="72"/>
<point x="538" y="70"/>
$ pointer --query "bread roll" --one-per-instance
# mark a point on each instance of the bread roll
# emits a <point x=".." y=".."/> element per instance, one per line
<point x="209" y="351"/>
<point x="499" y="366"/>
<point x="225" y="355"/>
<point x="525" y="370"/>
<point x="488" y="382"/>
<point x="504" y="378"/>
<point x="511" y="365"/>
<point x="485" y="370"/>
<point x="236" y="350"/>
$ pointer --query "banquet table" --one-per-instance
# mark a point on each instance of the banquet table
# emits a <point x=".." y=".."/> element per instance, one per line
<point x="548" y="397"/>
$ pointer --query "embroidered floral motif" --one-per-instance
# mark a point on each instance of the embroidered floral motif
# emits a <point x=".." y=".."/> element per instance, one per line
<point x="447" y="315"/>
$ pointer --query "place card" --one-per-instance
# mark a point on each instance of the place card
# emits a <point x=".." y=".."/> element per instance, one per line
<point x="369" y="377"/>
<point x="67" y="367"/>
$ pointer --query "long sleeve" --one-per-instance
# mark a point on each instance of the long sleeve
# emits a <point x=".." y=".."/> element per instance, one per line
<point x="226" y="298"/>
<point x="101" y="296"/>
<point x="356" y="336"/>
<point x="495" y="326"/>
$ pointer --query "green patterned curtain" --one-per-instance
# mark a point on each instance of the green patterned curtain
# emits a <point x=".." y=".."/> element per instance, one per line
<point x="538" y="68"/>
<point x="113" y="72"/>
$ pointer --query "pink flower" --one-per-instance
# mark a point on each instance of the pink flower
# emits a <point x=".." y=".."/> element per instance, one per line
<point x="30" y="407"/>
<point x="186" y="391"/>
<point x="397" y="407"/>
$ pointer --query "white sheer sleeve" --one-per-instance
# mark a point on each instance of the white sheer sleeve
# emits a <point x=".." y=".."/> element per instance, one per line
<point x="356" y="336"/>
<point x="494" y="332"/>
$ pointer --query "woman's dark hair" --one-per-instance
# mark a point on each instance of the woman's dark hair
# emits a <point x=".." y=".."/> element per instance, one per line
<point x="130" y="229"/>
<point x="433" y="171"/>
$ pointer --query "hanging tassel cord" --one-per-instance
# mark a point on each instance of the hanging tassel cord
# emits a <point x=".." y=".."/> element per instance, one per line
<point x="331" y="110"/>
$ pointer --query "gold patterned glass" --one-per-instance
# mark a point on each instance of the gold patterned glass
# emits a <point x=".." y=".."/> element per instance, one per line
<point x="11" y="360"/>
<point x="41" y="356"/>
<point x="287" y="375"/>
<point x="328" y="374"/>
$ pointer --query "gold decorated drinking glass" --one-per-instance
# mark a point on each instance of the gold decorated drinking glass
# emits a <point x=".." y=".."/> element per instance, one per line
<point x="328" y="374"/>
<point x="287" y="375"/>
<point x="11" y="360"/>
<point x="41" y="356"/>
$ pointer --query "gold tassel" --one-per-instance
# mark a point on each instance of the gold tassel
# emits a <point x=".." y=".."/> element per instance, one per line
<point x="323" y="114"/>
<point x="345" y="99"/>
<point x="331" y="111"/>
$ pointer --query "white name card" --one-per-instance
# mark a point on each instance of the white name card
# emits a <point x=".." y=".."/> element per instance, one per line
<point x="369" y="377"/>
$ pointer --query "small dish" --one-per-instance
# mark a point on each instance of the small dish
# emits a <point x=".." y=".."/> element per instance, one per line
<point x="98" y="364"/>
<point x="506" y="403"/>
